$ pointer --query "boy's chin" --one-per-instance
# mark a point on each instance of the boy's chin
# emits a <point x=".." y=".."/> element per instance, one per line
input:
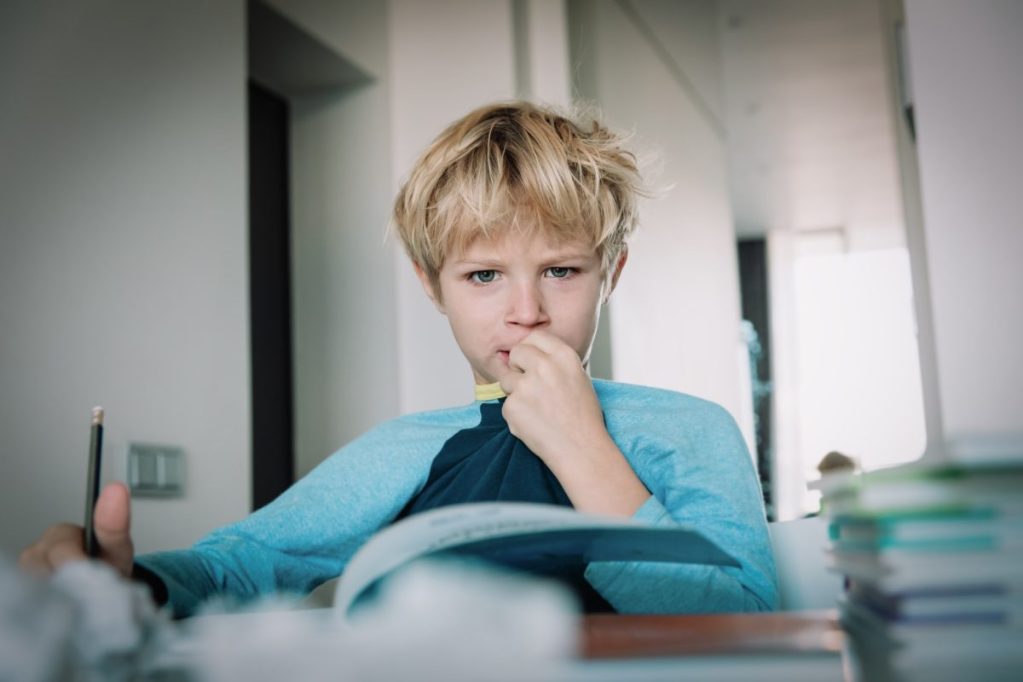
<point x="490" y="375"/>
<point x="483" y="378"/>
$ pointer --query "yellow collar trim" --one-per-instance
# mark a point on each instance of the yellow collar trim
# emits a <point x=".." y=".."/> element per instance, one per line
<point x="489" y="392"/>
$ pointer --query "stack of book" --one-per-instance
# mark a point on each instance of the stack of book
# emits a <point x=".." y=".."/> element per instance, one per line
<point x="933" y="561"/>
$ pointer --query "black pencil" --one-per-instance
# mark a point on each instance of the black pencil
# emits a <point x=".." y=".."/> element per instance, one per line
<point x="92" y="482"/>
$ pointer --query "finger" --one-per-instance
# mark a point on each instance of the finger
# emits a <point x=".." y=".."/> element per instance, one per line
<point x="545" y="341"/>
<point x="548" y="343"/>
<point x="553" y="346"/>
<point x="510" y="380"/>
<point x="112" y="519"/>
<point x="64" y="552"/>
<point x="59" y="545"/>
<point x="32" y="560"/>
<point x="525" y="357"/>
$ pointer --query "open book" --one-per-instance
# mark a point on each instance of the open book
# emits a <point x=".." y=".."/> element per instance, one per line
<point x="522" y="535"/>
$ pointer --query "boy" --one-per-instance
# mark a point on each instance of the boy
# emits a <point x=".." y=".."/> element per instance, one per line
<point x="516" y="221"/>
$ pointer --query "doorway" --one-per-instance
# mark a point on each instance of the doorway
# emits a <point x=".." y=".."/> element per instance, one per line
<point x="270" y="295"/>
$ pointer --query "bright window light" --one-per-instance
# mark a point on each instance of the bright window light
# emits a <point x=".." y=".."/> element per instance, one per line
<point x="854" y="361"/>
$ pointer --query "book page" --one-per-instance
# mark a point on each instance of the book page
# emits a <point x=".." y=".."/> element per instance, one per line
<point x="515" y="532"/>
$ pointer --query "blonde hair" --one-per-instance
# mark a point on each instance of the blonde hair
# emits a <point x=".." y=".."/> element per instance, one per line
<point x="518" y="166"/>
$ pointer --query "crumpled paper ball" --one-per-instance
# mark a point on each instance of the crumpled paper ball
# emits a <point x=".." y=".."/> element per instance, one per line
<point x="84" y="623"/>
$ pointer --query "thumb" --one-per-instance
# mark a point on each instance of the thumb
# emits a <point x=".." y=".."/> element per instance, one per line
<point x="112" y="520"/>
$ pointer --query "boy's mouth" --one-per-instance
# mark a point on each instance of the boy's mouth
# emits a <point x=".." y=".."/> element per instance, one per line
<point x="503" y="354"/>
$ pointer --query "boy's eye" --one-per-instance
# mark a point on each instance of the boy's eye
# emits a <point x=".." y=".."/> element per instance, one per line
<point x="483" y="276"/>
<point x="559" y="272"/>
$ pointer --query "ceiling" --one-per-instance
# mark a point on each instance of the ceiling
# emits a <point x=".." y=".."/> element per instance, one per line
<point x="810" y="133"/>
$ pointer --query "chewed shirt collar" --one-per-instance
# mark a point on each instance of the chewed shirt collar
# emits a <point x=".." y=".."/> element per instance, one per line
<point x="485" y="392"/>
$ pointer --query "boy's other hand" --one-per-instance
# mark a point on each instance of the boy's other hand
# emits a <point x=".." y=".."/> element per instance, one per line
<point x="551" y="404"/>
<point x="65" y="542"/>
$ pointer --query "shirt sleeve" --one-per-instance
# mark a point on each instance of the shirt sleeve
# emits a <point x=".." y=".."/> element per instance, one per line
<point x="700" y="474"/>
<point x="307" y="535"/>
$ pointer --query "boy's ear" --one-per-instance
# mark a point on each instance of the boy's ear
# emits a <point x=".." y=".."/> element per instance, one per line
<point x="619" y="265"/>
<point x="428" y="287"/>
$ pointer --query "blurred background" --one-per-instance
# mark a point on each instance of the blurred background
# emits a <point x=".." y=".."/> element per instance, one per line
<point x="194" y="199"/>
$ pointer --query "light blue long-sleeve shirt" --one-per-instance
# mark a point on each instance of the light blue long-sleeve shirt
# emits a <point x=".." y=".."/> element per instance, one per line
<point x="688" y="453"/>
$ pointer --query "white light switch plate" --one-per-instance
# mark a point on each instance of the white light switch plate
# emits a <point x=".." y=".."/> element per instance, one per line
<point x="156" y="470"/>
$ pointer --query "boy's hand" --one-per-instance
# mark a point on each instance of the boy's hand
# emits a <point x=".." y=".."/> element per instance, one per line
<point x="551" y="405"/>
<point x="65" y="542"/>
<point x="553" y="409"/>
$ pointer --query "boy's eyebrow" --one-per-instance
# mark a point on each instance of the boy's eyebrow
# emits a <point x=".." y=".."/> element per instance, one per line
<point x="478" y="259"/>
<point x="569" y="256"/>
<point x="551" y="258"/>
<point x="476" y="262"/>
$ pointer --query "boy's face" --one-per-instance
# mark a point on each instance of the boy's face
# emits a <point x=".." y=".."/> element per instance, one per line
<point x="498" y="291"/>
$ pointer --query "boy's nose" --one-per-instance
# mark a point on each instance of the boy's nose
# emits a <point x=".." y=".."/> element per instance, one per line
<point x="526" y="307"/>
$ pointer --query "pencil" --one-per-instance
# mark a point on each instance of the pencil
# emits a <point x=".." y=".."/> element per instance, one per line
<point x="92" y="482"/>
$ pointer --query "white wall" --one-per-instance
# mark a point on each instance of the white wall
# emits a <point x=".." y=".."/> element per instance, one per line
<point x="123" y="271"/>
<point x="369" y="345"/>
<point x="123" y="260"/>
<point x="344" y="292"/>
<point x="541" y="51"/>
<point x="965" y="60"/>
<point x="447" y="57"/>
<point x="675" y="315"/>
